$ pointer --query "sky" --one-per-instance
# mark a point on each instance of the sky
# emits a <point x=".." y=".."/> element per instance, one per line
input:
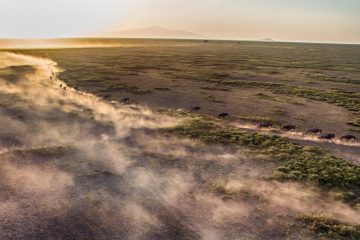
<point x="283" y="20"/>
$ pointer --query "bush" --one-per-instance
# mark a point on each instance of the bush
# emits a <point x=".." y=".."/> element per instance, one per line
<point x="296" y="162"/>
<point x="331" y="228"/>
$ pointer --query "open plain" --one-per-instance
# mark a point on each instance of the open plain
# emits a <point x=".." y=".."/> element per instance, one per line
<point x="122" y="139"/>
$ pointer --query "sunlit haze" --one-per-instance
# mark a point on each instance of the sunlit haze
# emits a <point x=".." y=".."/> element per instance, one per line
<point x="179" y="119"/>
<point x="282" y="20"/>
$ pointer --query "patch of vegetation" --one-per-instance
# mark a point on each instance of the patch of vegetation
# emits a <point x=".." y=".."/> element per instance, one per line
<point x="264" y="96"/>
<point x="13" y="74"/>
<point x="46" y="151"/>
<point x="341" y="195"/>
<point x="257" y="119"/>
<point x="348" y="101"/>
<point x="316" y="166"/>
<point x="297" y="163"/>
<point x="8" y="140"/>
<point x="216" y="88"/>
<point x="220" y="75"/>
<point x="13" y="70"/>
<point x="120" y="86"/>
<point x="98" y="173"/>
<point x="136" y="90"/>
<point x="280" y="112"/>
<point x="354" y="130"/>
<point x="113" y="86"/>
<point x="225" y="192"/>
<point x="162" y="88"/>
<point x="354" y="124"/>
<point x="268" y="97"/>
<point x="338" y="79"/>
<point x="214" y="100"/>
<point x="331" y="228"/>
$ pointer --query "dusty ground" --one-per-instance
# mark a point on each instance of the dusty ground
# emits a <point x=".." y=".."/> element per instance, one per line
<point x="74" y="166"/>
<point x="182" y="74"/>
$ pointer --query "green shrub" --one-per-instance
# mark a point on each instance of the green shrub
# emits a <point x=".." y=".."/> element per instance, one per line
<point x="298" y="163"/>
<point x="331" y="228"/>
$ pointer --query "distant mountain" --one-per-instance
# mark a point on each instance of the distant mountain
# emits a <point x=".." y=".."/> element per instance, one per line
<point x="154" y="32"/>
<point x="267" y="40"/>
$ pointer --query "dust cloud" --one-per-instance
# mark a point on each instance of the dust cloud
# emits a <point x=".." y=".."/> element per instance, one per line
<point x="348" y="150"/>
<point x="73" y="166"/>
<point x="59" y="43"/>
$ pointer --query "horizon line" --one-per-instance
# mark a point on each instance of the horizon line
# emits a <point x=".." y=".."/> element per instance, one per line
<point x="179" y="39"/>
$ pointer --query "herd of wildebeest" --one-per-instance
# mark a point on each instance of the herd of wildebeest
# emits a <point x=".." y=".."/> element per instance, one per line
<point x="264" y="125"/>
<point x="290" y="127"/>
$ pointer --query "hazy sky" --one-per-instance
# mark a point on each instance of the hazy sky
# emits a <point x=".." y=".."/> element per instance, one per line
<point x="291" y="20"/>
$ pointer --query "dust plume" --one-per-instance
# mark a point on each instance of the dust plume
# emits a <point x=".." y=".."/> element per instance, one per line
<point x="348" y="150"/>
<point x="60" y="43"/>
<point x="76" y="167"/>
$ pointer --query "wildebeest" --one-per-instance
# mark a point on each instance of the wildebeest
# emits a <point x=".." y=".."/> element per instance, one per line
<point x="197" y="108"/>
<point x="60" y="85"/>
<point x="125" y="100"/>
<point x="265" y="125"/>
<point x="223" y="115"/>
<point x="314" y="131"/>
<point x="64" y="88"/>
<point x="328" y="136"/>
<point x="348" y="137"/>
<point x="108" y="173"/>
<point x="107" y="96"/>
<point x="288" y="127"/>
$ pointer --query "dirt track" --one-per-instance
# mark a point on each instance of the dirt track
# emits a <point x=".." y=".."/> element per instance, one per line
<point x="349" y="150"/>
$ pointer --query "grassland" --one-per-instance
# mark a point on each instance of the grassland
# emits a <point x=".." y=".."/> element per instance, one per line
<point x="275" y="75"/>
<point x="297" y="163"/>
<point x="309" y="85"/>
<point x="330" y="227"/>
<point x="339" y="179"/>
<point x="216" y="74"/>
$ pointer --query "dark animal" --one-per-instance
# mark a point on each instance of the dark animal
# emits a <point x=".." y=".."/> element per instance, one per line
<point x="60" y="86"/>
<point x="125" y="100"/>
<point x="223" y="115"/>
<point x="107" y="173"/>
<point x="64" y="88"/>
<point x="314" y="131"/>
<point x="329" y="136"/>
<point x="197" y="108"/>
<point x="348" y="138"/>
<point x="288" y="127"/>
<point x="265" y="125"/>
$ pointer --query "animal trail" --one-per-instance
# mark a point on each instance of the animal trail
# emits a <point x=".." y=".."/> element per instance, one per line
<point x="289" y="131"/>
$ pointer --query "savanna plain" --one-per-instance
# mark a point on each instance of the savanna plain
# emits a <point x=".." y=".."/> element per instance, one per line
<point x="180" y="139"/>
